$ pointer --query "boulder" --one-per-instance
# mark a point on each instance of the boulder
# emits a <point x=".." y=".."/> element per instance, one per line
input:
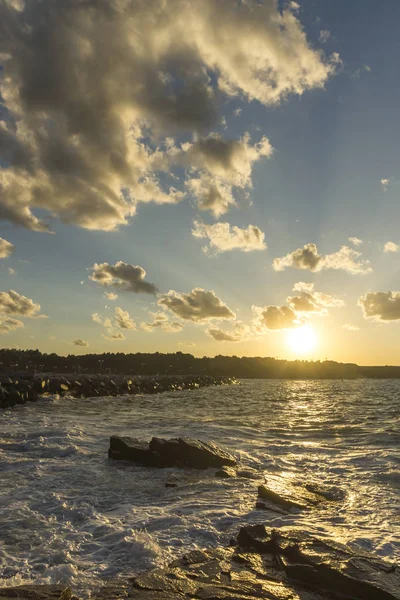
<point x="180" y="452"/>
<point x="226" y="473"/>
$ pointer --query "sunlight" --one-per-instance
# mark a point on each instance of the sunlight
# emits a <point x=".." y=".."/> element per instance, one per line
<point x="302" y="340"/>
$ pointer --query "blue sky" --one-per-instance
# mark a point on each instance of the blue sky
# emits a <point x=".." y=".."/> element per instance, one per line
<point x="333" y="144"/>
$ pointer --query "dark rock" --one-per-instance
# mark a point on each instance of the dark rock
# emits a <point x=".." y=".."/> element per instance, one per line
<point x="181" y="452"/>
<point x="127" y="448"/>
<point x="37" y="592"/>
<point x="248" y="473"/>
<point x="226" y="473"/>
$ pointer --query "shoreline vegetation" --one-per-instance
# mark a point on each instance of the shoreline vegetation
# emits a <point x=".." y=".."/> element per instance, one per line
<point x="19" y="362"/>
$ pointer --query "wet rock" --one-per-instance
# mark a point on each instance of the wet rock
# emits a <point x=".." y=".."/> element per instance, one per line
<point x="37" y="592"/>
<point x="226" y="473"/>
<point x="131" y="449"/>
<point x="180" y="452"/>
<point x="288" y="496"/>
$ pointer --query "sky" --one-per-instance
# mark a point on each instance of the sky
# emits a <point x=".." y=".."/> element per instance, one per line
<point x="204" y="176"/>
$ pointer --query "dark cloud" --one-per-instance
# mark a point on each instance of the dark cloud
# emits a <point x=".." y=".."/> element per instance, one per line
<point x="198" y="305"/>
<point x="275" y="317"/>
<point x="92" y="89"/>
<point x="381" y="306"/>
<point x="122" y="277"/>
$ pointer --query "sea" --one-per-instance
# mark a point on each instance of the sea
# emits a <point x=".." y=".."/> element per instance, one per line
<point x="68" y="514"/>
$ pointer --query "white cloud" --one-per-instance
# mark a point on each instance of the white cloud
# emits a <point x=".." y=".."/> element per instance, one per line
<point x="84" y="141"/>
<point x="123" y="277"/>
<point x="385" y="182"/>
<point x="6" y="248"/>
<point x="308" y="258"/>
<point x="310" y="302"/>
<point x="12" y="271"/>
<point x="161" y="322"/>
<point x="223" y="237"/>
<point x="80" y="342"/>
<point x="114" y="336"/>
<point x="350" y="327"/>
<point x="8" y="324"/>
<point x="123" y="319"/>
<point x="111" y="296"/>
<point x="380" y="306"/>
<point x="198" y="305"/>
<point x="324" y="35"/>
<point x="391" y="247"/>
<point x="355" y="241"/>
<point x="12" y="303"/>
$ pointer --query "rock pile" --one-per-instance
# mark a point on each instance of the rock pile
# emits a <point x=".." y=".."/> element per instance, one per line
<point x="18" y="390"/>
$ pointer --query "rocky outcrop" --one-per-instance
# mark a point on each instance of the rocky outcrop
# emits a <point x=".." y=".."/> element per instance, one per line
<point x="18" y="390"/>
<point x="36" y="592"/>
<point x="181" y="452"/>
<point x="265" y="563"/>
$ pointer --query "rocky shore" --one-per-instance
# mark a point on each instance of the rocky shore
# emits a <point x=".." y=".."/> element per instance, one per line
<point x="260" y="562"/>
<point x="20" y="389"/>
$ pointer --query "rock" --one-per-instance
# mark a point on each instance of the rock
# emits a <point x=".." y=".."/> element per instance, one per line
<point x="181" y="452"/>
<point x="248" y="473"/>
<point x="127" y="448"/>
<point x="288" y="496"/>
<point x="226" y="473"/>
<point x="37" y="592"/>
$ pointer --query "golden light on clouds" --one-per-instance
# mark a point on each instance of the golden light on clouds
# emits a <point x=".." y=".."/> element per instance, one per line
<point x="302" y="340"/>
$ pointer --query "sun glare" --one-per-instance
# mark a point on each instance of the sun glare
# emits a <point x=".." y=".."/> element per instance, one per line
<point x="302" y="340"/>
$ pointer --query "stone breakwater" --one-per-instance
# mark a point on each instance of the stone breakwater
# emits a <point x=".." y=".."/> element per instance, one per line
<point x="18" y="390"/>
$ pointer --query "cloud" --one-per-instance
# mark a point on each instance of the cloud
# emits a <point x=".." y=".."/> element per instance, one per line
<point x="80" y="342"/>
<point x="198" y="305"/>
<point x="239" y="333"/>
<point x="6" y="248"/>
<point x="350" y="327"/>
<point x="12" y="303"/>
<point x="324" y="36"/>
<point x="355" y="241"/>
<point x="123" y="319"/>
<point x="223" y="237"/>
<point x="310" y="302"/>
<point x="123" y="277"/>
<point x="114" y="336"/>
<point x="161" y="322"/>
<point x="308" y="258"/>
<point x="385" y="182"/>
<point x="83" y="139"/>
<point x="391" y="247"/>
<point x="220" y="167"/>
<point x="275" y="317"/>
<point x="110" y="295"/>
<point x="8" y="324"/>
<point x="12" y="271"/>
<point x="380" y="306"/>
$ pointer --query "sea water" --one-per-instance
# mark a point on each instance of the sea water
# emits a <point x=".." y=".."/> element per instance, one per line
<point x="69" y="514"/>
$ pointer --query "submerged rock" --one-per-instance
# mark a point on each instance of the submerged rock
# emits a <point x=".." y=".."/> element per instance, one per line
<point x="179" y="452"/>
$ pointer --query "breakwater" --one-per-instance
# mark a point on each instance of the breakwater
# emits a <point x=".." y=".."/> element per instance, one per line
<point x="20" y="389"/>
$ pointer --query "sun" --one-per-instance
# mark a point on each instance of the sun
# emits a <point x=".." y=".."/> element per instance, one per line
<point x="302" y="340"/>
